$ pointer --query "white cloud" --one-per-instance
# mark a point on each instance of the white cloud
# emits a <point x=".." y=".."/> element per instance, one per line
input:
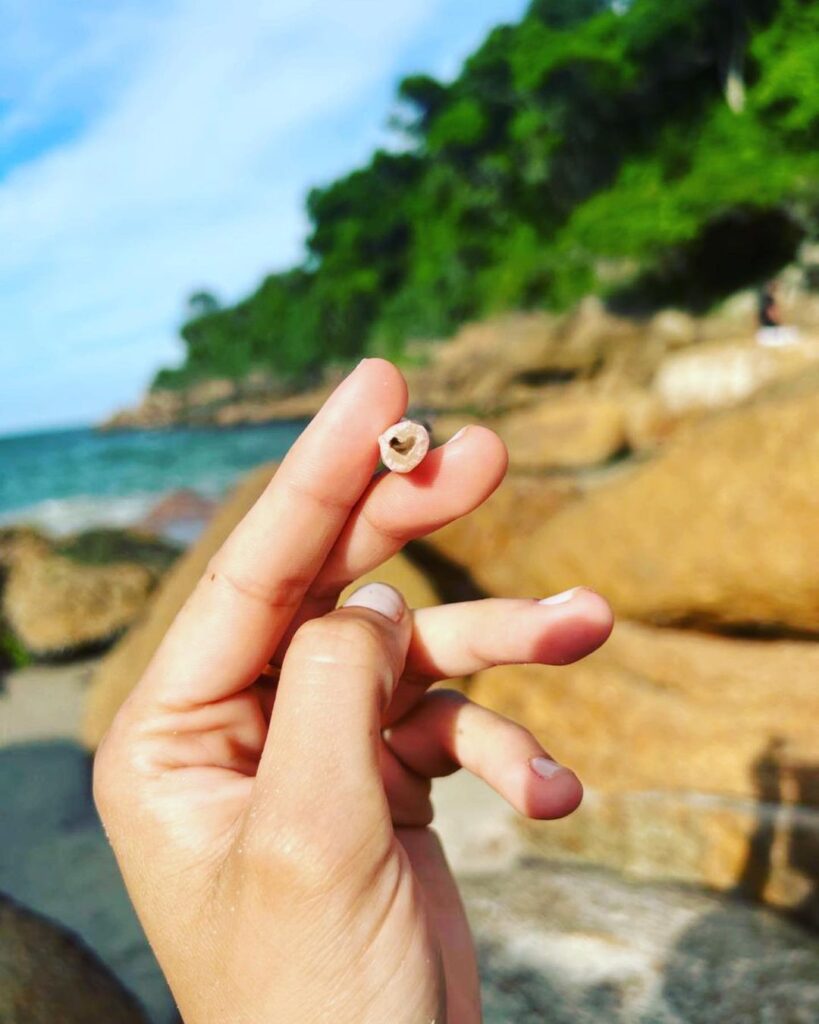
<point x="205" y="126"/>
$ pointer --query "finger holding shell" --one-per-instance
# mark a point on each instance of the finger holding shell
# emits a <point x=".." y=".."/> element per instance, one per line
<point x="403" y="446"/>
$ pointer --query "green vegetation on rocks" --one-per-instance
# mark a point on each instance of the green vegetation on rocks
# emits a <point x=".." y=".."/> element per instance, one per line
<point x="654" y="151"/>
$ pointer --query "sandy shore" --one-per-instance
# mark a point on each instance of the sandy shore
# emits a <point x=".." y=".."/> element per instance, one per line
<point x="43" y="702"/>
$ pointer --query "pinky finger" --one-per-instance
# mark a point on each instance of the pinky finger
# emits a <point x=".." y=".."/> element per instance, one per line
<point x="447" y="731"/>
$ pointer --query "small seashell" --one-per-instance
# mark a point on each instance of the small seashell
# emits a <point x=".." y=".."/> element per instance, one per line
<point x="404" y="446"/>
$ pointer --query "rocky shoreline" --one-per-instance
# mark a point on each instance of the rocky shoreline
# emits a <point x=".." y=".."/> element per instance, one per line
<point x="640" y="373"/>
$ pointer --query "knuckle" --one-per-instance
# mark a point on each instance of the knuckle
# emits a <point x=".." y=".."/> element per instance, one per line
<point x="340" y="638"/>
<point x="285" y="592"/>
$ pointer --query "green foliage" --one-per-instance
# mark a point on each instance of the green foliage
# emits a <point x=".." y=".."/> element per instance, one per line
<point x="640" y="134"/>
<point x="12" y="653"/>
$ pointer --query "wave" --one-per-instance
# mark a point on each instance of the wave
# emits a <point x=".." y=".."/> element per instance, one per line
<point x="62" y="516"/>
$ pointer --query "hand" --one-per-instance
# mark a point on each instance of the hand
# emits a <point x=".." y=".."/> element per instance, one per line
<point x="273" y="833"/>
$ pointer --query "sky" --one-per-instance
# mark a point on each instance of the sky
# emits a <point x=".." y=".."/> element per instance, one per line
<point x="150" y="148"/>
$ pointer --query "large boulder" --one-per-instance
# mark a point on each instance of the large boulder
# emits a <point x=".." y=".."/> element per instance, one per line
<point x="700" y="754"/>
<point x="481" y="544"/>
<point x="500" y="363"/>
<point x="562" y="944"/>
<point x="57" y="606"/>
<point x="47" y="975"/>
<point x="568" y="429"/>
<point x="719" y="529"/>
<point x="719" y="375"/>
<point x="123" y="666"/>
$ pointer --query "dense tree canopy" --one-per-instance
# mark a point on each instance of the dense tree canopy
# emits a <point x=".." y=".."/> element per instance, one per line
<point x="655" y="150"/>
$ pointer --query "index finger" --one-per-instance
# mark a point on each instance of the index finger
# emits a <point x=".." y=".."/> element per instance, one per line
<point x="230" y="626"/>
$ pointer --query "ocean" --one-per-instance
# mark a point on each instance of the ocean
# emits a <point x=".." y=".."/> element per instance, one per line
<point x="68" y="480"/>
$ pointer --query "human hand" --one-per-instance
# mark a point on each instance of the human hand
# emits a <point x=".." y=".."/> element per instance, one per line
<point x="273" y="833"/>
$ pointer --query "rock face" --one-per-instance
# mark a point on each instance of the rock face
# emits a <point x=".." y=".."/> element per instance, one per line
<point x="46" y="975"/>
<point x="124" y="665"/>
<point x="61" y="598"/>
<point x="718" y="530"/>
<point x="57" y="606"/>
<point x="564" y="431"/>
<point x="563" y="946"/>
<point x="482" y="542"/>
<point x="696" y="771"/>
<point x="717" y="376"/>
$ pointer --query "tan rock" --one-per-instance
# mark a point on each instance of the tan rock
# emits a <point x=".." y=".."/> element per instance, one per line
<point x="481" y="542"/>
<point x="183" y="505"/>
<point x="56" y="606"/>
<point x="719" y="529"/>
<point x="674" y="328"/>
<point x="18" y="543"/>
<point x="717" y="376"/>
<point x="123" y="666"/>
<point x="265" y="410"/>
<point x="208" y="392"/>
<point x="701" y="754"/>
<point x="669" y="709"/>
<point x="47" y="976"/>
<point x="477" y="365"/>
<point x="754" y="850"/>
<point x="568" y="429"/>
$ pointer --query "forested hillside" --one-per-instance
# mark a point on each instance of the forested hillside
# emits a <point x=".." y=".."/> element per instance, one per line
<point x="657" y="151"/>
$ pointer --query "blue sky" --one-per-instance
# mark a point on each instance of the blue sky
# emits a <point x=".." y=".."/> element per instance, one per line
<point x="152" y="147"/>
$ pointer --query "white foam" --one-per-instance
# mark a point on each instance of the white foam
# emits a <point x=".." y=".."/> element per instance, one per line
<point x="62" y="516"/>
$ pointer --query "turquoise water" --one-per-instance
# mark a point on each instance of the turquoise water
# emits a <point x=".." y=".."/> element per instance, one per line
<point x="71" y="479"/>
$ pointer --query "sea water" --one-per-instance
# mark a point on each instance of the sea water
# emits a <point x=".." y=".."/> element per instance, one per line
<point x="68" y="480"/>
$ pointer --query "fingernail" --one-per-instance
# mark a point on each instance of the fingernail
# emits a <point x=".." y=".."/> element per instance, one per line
<point x="457" y="434"/>
<point x="378" y="597"/>
<point x="561" y="598"/>
<point x="545" y="767"/>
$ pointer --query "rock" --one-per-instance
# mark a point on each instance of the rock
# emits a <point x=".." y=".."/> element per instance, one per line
<point x="263" y="410"/>
<point x="104" y="546"/>
<point x="562" y="945"/>
<point x="566" y="430"/>
<point x="56" y="861"/>
<point x="159" y="408"/>
<point x="674" y="329"/>
<point x="120" y="670"/>
<point x="179" y="515"/>
<point x="46" y="975"/>
<point x="737" y="317"/>
<point x="56" y="606"/>
<point x="568" y="943"/>
<point x="695" y="771"/>
<point x="719" y="529"/>
<point x="474" y="369"/>
<point x="20" y="542"/>
<point x="480" y="543"/>
<point x="717" y="376"/>
<point x="211" y="392"/>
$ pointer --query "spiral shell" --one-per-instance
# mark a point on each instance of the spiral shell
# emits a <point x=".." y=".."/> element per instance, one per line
<point x="404" y="445"/>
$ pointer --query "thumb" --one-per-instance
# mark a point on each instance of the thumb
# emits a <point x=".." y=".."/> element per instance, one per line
<point x="337" y="678"/>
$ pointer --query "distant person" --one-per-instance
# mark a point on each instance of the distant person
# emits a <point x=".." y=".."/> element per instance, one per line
<point x="266" y="785"/>
<point x="771" y="331"/>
